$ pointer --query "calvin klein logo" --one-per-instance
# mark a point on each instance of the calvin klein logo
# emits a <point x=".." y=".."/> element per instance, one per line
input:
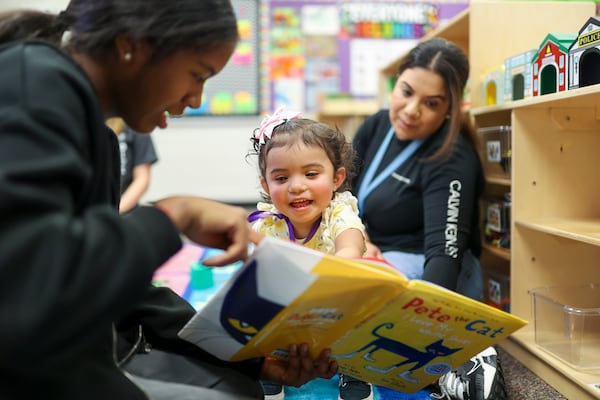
<point x="451" y="232"/>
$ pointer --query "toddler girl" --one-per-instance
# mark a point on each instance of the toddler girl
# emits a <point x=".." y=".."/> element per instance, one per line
<point x="305" y="167"/>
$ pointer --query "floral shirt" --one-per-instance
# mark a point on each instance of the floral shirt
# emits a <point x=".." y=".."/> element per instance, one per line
<point x="341" y="214"/>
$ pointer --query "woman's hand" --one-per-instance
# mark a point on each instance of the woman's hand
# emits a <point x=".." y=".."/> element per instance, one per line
<point x="212" y="224"/>
<point x="299" y="368"/>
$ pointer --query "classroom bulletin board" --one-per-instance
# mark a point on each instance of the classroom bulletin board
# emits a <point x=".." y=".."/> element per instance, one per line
<point x="235" y="90"/>
<point x="296" y="52"/>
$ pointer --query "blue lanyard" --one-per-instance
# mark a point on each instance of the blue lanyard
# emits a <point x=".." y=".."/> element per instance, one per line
<point x="370" y="182"/>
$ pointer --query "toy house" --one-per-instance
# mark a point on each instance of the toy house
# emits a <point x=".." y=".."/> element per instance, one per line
<point x="517" y="76"/>
<point x="493" y="87"/>
<point x="549" y="64"/>
<point x="584" y="56"/>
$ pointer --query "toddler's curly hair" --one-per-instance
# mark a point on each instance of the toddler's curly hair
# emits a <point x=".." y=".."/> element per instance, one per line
<point x="310" y="133"/>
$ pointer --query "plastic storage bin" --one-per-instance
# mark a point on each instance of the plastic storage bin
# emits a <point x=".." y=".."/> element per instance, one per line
<point x="567" y="323"/>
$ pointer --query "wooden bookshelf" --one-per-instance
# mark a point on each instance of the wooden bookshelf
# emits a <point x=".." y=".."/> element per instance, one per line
<point x="555" y="217"/>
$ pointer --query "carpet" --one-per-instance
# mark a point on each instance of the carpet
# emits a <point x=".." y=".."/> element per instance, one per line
<point x="175" y="274"/>
<point x="328" y="389"/>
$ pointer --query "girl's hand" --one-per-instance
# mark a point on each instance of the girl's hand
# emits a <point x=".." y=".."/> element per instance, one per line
<point x="212" y="224"/>
<point x="373" y="251"/>
<point x="350" y="244"/>
<point x="299" y="368"/>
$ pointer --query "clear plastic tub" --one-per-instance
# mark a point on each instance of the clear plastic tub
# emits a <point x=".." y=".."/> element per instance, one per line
<point x="567" y="323"/>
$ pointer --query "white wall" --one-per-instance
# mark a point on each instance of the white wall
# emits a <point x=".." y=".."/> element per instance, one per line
<point x="44" y="5"/>
<point x="197" y="155"/>
<point x="206" y="156"/>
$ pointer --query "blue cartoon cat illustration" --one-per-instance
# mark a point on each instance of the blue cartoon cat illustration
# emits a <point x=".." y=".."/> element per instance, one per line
<point x="409" y="354"/>
<point x="244" y="312"/>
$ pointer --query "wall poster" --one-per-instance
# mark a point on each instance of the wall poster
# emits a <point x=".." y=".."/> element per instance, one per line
<point x="295" y="52"/>
<point x="235" y="90"/>
<point x="314" y="48"/>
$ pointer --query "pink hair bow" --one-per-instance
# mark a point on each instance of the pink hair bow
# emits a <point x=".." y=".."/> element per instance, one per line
<point x="270" y="122"/>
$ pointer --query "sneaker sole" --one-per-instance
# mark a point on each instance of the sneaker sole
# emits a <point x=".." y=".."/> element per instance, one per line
<point x="370" y="397"/>
<point x="278" y="396"/>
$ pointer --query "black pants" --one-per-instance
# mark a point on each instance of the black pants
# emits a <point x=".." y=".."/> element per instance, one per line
<point x="191" y="378"/>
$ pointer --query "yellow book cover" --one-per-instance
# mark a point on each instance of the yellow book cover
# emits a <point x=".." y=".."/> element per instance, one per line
<point x="381" y="327"/>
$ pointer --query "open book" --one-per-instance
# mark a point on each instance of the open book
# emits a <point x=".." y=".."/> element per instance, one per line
<point x="381" y="327"/>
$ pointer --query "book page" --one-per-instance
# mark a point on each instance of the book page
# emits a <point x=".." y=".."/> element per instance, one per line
<point x="286" y="294"/>
<point x="422" y="334"/>
<point x="381" y="327"/>
<point x="344" y="292"/>
<point x="330" y="307"/>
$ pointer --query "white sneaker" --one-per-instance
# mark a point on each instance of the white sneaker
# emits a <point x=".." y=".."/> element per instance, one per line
<point x="480" y="378"/>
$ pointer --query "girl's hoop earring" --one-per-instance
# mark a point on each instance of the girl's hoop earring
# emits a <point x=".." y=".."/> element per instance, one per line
<point x="127" y="57"/>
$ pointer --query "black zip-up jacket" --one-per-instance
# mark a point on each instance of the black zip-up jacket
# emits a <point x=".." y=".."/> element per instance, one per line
<point x="70" y="265"/>
<point x="424" y="207"/>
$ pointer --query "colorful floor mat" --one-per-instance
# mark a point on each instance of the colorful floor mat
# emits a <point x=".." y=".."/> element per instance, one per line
<point x="321" y="389"/>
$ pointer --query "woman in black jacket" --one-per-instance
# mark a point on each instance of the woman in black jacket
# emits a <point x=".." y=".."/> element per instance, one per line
<point x="74" y="274"/>
<point x="418" y="190"/>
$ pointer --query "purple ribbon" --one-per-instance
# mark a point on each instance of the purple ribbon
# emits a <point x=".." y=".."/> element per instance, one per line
<point x="258" y="214"/>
